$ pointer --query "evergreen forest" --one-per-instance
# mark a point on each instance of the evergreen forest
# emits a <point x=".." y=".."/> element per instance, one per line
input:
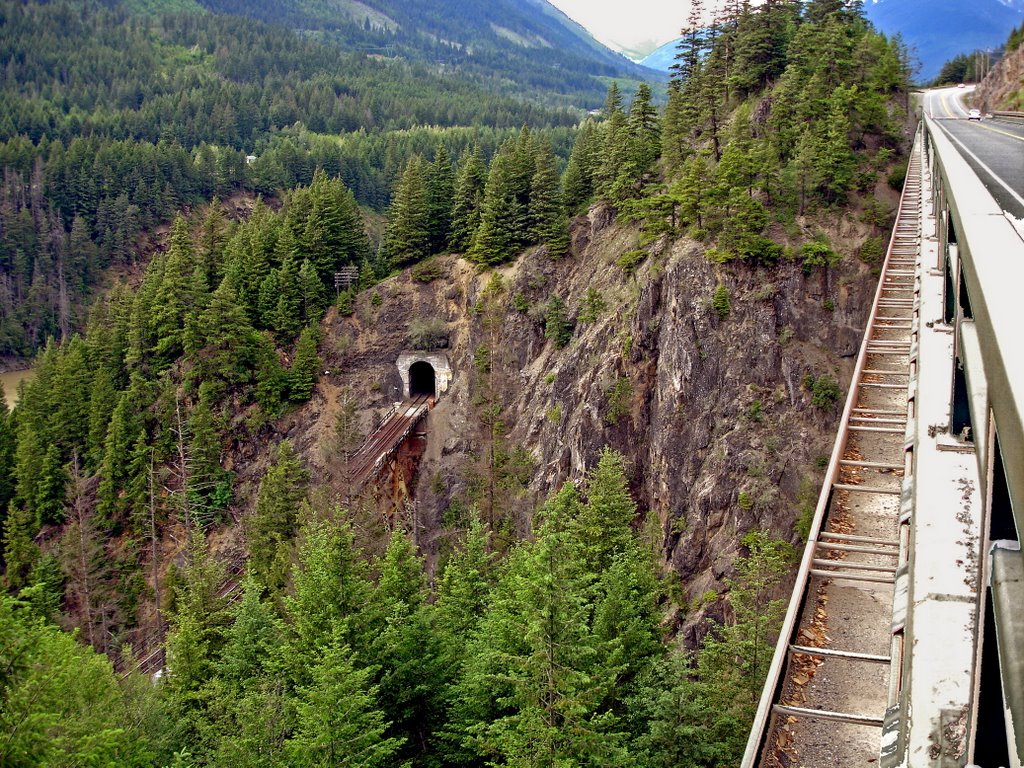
<point x="179" y="190"/>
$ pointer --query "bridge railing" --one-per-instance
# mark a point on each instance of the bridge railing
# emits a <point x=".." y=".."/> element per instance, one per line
<point x="982" y="258"/>
<point x="1009" y="117"/>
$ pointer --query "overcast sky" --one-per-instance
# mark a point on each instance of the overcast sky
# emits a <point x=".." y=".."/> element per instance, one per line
<point x="628" y="23"/>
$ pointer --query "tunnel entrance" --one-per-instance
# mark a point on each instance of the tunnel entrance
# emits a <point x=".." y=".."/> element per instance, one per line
<point x="422" y="373"/>
<point x="421" y="379"/>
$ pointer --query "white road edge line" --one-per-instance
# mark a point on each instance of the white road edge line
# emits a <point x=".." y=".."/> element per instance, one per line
<point x="977" y="159"/>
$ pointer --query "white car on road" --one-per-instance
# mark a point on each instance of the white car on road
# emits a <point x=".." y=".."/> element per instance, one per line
<point x="974" y="114"/>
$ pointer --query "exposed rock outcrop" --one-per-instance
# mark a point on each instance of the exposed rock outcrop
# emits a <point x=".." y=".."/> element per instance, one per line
<point x="1003" y="87"/>
<point x="712" y="411"/>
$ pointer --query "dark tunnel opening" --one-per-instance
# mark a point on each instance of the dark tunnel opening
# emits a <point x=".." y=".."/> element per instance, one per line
<point x="421" y="379"/>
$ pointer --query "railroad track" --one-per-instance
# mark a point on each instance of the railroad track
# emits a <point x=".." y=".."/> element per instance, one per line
<point x="836" y="667"/>
<point x="386" y="440"/>
<point x="152" y="653"/>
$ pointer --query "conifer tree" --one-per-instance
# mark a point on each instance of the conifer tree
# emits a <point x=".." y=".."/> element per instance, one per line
<point x="20" y="552"/>
<point x="496" y="237"/>
<point x="255" y="712"/>
<point x="469" y="193"/>
<point x="269" y="294"/>
<point x="271" y="527"/>
<point x="62" y="704"/>
<point x="213" y="237"/>
<point x="305" y="366"/>
<point x="348" y="435"/>
<point x="286" y="315"/>
<point x="173" y="298"/>
<point x="330" y="591"/>
<point x="464" y="587"/>
<point x="7" y="445"/>
<point x="222" y="342"/>
<point x="547" y="212"/>
<point x="578" y="180"/>
<point x="691" y="46"/>
<point x="338" y="723"/>
<point x="113" y="472"/>
<point x="533" y="693"/>
<point x="311" y="294"/>
<point x="612" y="156"/>
<point x="602" y="526"/>
<point x="413" y="672"/>
<point x="612" y="101"/>
<point x="440" y="194"/>
<point x="332" y="231"/>
<point x="208" y="485"/>
<point x="644" y="143"/>
<point x="408" y="237"/>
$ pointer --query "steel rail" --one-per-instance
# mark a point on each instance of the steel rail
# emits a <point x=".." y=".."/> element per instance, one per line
<point x="388" y="437"/>
<point x="899" y="254"/>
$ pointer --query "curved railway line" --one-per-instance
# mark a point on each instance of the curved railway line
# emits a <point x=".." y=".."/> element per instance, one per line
<point x="364" y="464"/>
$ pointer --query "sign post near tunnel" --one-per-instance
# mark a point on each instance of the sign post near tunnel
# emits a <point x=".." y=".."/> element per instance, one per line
<point x="424" y="373"/>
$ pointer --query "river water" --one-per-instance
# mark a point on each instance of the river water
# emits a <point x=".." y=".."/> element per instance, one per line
<point x="11" y="380"/>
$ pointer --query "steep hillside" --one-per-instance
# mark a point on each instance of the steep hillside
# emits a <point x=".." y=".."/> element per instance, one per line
<point x="526" y="47"/>
<point x="649" y="349"/>
<point x="712" y="408"/>
<point x="1003" y="86"/>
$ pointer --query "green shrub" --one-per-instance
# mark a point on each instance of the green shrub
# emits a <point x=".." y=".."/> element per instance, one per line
<point x="745" y="500"/>
<point x="756" y="411"/>
<point x="554" y="413"/>
<point x="428" y="333"/>
<point x="719" y="255"/>
<point x="817" y="254"/>
<point x="376" y="299"/>
<point x="346" y="303"/>
<point x="720" y="301"/>
<point x="427" y="270"/>
<point x="557" y="325"/>
<point x="897" y="176"/>
<point x="828" y="305"/>
<point x="630" y="260"/>
<point x="806" y="499"/>
<point x="520" y="303"/>
<point x="592" y="307"/>
<point x="872" y="250"/>
<point x="825" y="390"/>
<point x="619" y="396"/>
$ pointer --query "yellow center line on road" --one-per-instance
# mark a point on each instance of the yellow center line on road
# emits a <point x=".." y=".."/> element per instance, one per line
<point x="1001" y="133"/>
<point x="945" y="104"/>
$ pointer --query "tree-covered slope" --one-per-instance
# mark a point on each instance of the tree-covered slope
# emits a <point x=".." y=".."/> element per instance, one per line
<point x="523" y="612"/>
<point x="523" y="47"/>
<point x="109" y="122"/>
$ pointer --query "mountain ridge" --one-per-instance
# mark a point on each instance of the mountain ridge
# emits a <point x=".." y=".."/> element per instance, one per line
<point x="524" y="46"/>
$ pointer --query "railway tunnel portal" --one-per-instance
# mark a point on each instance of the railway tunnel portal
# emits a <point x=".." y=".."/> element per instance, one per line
<point x="424" y="374"/>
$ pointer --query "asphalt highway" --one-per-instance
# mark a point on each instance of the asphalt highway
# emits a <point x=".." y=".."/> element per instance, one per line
<point x="993" y="148"/>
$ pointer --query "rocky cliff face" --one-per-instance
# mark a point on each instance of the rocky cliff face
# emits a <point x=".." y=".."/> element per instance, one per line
<point x="711" y="409"/>
<point x="1003" y="87"/>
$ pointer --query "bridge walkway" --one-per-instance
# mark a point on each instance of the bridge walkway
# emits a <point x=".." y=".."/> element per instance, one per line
<point x="832" y="677"/>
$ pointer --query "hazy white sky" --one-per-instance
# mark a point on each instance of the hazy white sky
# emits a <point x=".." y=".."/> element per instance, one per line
<point x="628" y="22"/>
